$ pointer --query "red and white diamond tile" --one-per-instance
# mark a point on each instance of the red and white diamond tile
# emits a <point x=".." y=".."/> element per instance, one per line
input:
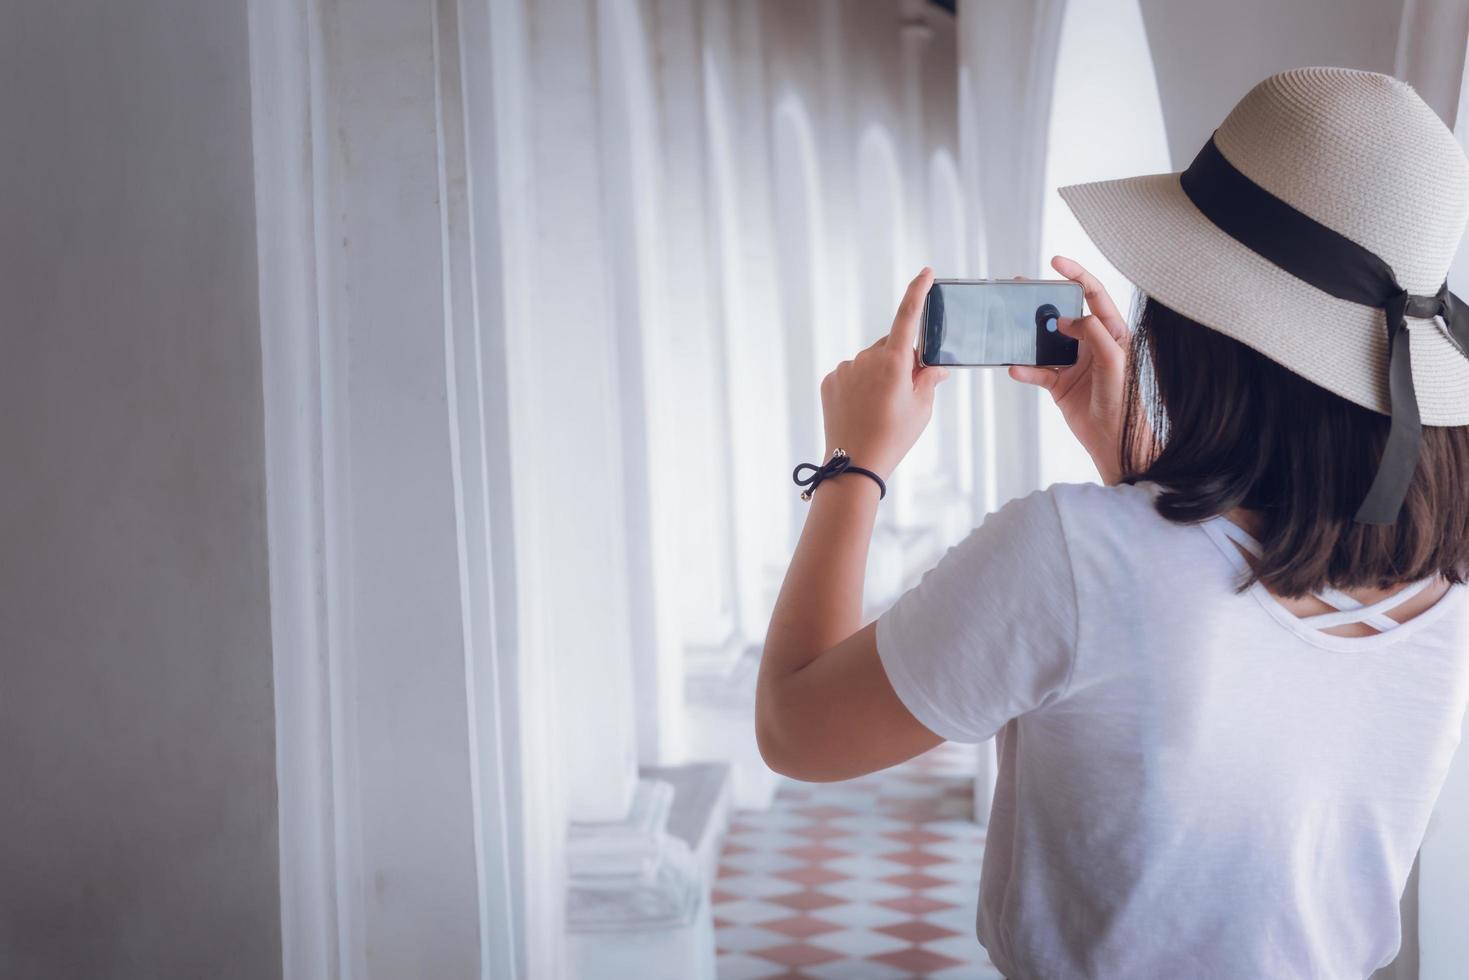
<point x="872" y="879"/>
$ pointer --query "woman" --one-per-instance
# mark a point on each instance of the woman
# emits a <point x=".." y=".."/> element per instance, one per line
<point x="1227" y="685"/>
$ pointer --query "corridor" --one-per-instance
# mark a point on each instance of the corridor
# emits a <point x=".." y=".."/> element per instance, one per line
<point x="872" y="879"/>
<point x="402" y="404"/>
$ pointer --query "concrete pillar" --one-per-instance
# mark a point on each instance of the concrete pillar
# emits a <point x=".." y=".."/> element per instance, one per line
<point x="807" y="284"/>
<point x="636" y="901"/>
<point x="750" y="302"/>
<point x="746" y="358"/>
<point x="1007" y="64"/>
<point x="484" y="439"/>
<point x="695" y="357"/>
<point x="922" y="472"/>
<point x="580" y="530"/>
<point x="948" y="232"/>
<point x="932" y="494"/>
<point x="694" y="360"/>
<point x="396" y="323"/>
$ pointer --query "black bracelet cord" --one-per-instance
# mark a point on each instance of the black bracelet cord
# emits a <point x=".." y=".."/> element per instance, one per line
<point x="839" y="463"/>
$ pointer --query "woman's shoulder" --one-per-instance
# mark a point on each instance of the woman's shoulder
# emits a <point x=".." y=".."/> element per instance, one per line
<point x="1095" y="499"/>
<point x="1078" y="516"/>
<point x="1085" y="517"/>
<point x="1082" y="501"/>
<point x="1123" y="511"/>
<point x="1113" y="537"/>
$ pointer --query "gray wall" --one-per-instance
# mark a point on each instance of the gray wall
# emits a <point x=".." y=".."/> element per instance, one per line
<point x="1208" y="54"/>
<point x="137" y="776"/>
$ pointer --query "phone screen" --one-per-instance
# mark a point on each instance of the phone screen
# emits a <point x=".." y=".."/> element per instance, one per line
<point x="995" y="322"/>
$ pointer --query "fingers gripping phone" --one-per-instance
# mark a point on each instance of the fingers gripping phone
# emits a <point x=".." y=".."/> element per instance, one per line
<point x="994" y="322"/>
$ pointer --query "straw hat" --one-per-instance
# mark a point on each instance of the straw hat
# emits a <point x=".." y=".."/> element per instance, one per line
<point x="1357" y="152"/>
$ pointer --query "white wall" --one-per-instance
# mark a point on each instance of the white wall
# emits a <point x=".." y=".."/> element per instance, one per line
<point x="1208" y="54"/>
<point x="138" y="812"/>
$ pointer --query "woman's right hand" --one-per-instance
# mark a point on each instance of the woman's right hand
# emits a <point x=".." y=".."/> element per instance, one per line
<point x="1090" y="392"/>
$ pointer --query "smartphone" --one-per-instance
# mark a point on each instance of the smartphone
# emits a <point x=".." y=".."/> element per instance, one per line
<point x="993" y="322"/>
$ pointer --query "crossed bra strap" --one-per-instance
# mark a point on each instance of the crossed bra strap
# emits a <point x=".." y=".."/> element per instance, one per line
<point x="1226" y="534"/>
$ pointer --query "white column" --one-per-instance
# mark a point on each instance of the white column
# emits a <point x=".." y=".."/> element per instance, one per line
<point x="806" y="283"/>
<point x="948" y="232"/>
<point x="694" y="361"/>
<point x="931" y="488"/>
<point x="282" y="52"/>
<point x="403" y="730"/>
<point x="649" y="334"/>
<point x="914" y="37"/>
<point x="903" y="543"/>
<point x="1007" y="58"/>
<point x="400" y="744"/>
<point x="1007" y="63"/>
<point x="975" y="252"/>
<point x="922" y="472"/>
<point x="1107" y="122"/>
<point x="752" y="326"/>
<point x="744" y="346"/>
<point x="487" y="564"/>
<point x="404" y="724"/>
<point x="636" y="904"/>
<point x="813" y="157"/>
<point x="571" y="404"/>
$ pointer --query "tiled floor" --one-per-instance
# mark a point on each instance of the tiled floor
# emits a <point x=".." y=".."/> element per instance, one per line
<point x="871" y="879"/>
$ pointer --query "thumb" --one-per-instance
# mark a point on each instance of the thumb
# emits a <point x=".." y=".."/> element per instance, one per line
<point x="1091" y="331"/>
<point x="930" y="378"/>
<point x="1041" y="377"/>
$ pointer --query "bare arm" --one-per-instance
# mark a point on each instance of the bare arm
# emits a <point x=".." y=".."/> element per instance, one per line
<point x="824" y="707"/>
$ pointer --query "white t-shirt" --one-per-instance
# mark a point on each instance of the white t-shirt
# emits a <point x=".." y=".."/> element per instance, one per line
<point x="1193" y="782"/>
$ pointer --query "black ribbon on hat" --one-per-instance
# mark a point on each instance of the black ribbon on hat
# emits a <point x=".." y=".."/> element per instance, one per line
<point x="1334" y="264"/>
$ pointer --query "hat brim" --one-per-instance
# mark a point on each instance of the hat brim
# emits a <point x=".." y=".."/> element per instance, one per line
<point x="1154" y="235"/>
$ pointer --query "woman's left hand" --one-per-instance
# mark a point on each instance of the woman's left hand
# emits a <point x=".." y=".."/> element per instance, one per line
<point x="876" y="405"/>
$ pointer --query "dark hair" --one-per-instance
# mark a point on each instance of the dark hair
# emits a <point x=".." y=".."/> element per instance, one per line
<point x="1217" y="425"/>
